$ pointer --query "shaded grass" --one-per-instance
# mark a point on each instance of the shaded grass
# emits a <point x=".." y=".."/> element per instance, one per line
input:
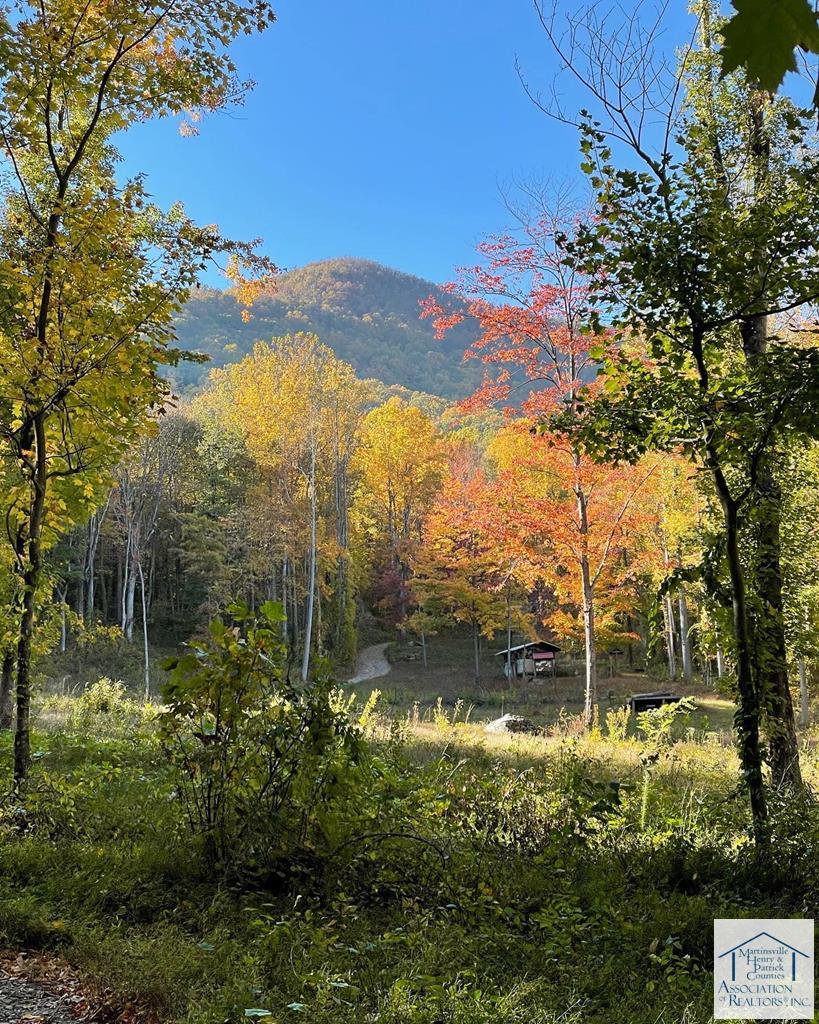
<point x="540" y="898"/>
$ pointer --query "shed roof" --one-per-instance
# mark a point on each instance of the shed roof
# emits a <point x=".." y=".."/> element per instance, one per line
<point x="542" y="645"/>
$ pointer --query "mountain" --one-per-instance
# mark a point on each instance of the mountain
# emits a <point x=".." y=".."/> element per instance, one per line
<point x="367" y="313"/>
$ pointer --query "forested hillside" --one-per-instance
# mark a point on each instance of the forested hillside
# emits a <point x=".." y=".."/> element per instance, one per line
<point x="366" y="313"/>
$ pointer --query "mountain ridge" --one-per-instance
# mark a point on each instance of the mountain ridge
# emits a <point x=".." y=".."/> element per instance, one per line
<point x="369" y="314"/>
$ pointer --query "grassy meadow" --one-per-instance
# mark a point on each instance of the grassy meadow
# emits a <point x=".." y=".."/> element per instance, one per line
<point x="452" y="876"/>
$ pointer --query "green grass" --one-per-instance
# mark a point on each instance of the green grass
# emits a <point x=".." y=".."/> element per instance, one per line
<point x="548" y="701"/>
<point x="463" y="878"/>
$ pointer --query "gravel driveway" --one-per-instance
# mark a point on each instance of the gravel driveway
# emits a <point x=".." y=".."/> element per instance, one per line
<point x="22" y="1002"/>
<point x="371" y="664"/>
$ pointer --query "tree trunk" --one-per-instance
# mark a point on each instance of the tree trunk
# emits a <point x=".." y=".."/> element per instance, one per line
<point x="670" y="629"/>
<point x="590" y="645"/>
<point x="342" y="538"/>
<point x="90" y="578"/>
<point x="509" y="674"/>
<point x="804" y="696"/>
<point x="63" y="624"/>
<point x="146" y="661"/>
<point x="34" y="436"/>
<point x="720" y="663"/>
<point x="685" y="640"/>
<point x="124" y="567"/>
<point x="129" y="600"/>
<point x="769" y="651"/>
<point x="589" y="635"/>
<point x="769" y="636"/>
<point x="285" y="632"/>
<point x="294" y="607"/>
<point x="105" y="602"/>
<point x="7" y="690"/>
<point x="747" y="717"/>
<point x="477" y="650"/>
<point x="311" y="591"/>
<point x="89" y="563"/>
<point x="119" y="590"/>
<point x="79" y="593"/>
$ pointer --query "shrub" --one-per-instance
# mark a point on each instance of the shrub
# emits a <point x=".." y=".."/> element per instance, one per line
<point x="658" y="724"/>
<point x="105" y="708"/>
<point x="568" y="725"/>
<point x="255" y="754"/>
<point x="617" y="722"/>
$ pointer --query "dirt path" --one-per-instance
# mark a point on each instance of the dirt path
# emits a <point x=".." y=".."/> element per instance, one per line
<point x="371" y="664"/>
<point x="23" y="1002"/>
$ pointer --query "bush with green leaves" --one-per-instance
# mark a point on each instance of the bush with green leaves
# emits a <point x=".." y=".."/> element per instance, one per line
<point x="617" y="723"/>
<point x="657" y="725"/>
<point x="105" y="708"/>
<point x="257" y="755"/>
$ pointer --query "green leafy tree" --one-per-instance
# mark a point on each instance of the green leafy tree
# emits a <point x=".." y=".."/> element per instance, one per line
<point x="698" y="253"/>
<point x="255" y="752"/>
<point x="800" y="562"/>
<point x="91" y="272"/>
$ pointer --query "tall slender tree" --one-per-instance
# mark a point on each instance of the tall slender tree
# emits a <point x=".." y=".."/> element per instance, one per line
<point x="529" y="309"/>
<point x="91" y="273"/>
<point x="700" y="246"/>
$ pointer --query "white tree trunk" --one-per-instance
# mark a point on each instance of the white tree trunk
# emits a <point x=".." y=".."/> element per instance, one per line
<point x="720" y="663"/>
<point x="685" y="640"/>
<point x="146" y="663"/>
<point x="804" y="696"/>
<point x="89" y="567"/>
<point x="130" y="596"/>
<point x="311" y="591"/>
<point x="590" y="644"/>
<point x="668" y="614"/>
<point x="123" y="598"/>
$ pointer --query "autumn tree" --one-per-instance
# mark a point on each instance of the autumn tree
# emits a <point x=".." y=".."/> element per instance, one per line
<point x="398" y="467"/>
<point x="92" y="272"/>
<point x="577" y="547"/>
<point x="459" y="573"/>
<point x="297" y="408"/>
<point x="703" y="240"/>
<point x="666" y="552"/>
<point x="528" y="307"/>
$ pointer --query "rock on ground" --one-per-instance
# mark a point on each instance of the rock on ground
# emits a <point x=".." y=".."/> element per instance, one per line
<point x="513" y="723"/>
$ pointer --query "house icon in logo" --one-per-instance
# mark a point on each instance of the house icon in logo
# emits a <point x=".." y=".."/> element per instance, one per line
<point x="745" y="950"/>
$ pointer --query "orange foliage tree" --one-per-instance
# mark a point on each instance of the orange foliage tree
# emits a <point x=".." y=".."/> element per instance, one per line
<point x="463" y="571"/>
<point x="528" y="308"/>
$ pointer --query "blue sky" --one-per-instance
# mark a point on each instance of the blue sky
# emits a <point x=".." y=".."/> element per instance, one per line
<point x="385" y="129"/>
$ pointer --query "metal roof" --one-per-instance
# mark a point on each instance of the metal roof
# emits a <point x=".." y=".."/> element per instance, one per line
<point x="532" y="643"/>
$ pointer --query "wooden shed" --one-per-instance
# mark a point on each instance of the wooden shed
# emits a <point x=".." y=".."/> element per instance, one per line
<point x="648" y="701"/>
<point x="535" y="658"/>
